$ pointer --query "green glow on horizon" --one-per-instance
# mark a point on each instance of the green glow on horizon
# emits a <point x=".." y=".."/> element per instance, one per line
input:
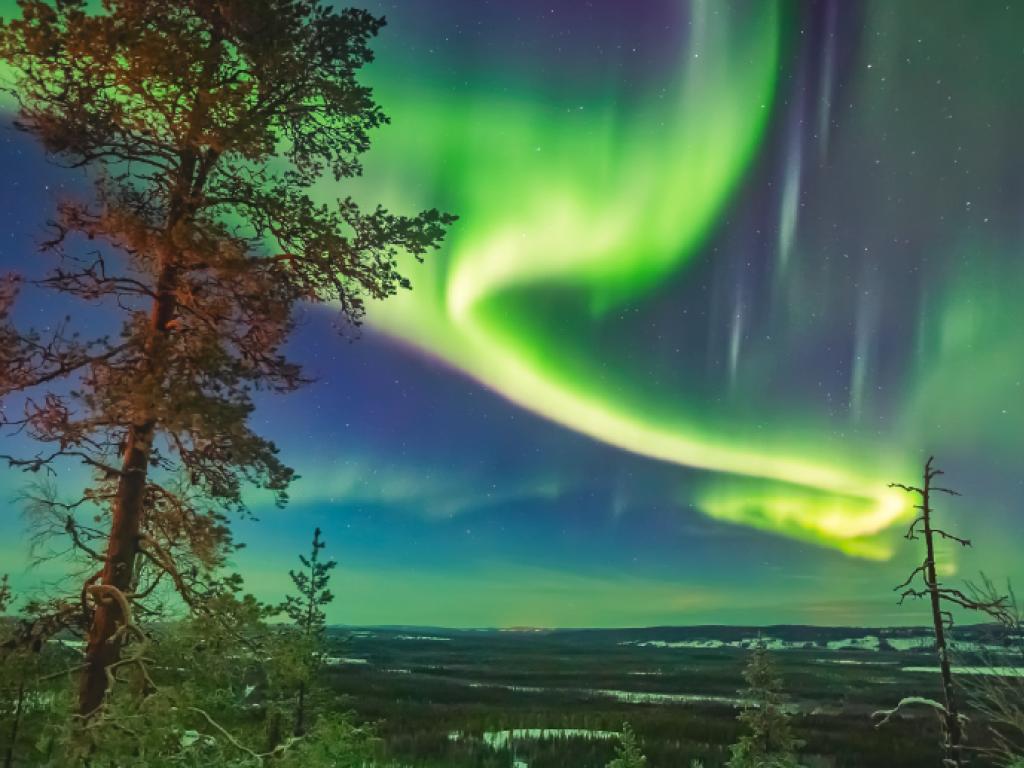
<point x="602" y="208"/>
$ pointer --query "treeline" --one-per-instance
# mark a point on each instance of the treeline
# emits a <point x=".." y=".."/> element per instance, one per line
<point x="415" y="732"/>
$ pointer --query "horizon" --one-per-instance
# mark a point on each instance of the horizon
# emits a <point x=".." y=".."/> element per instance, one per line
<point x="398" y="627"/>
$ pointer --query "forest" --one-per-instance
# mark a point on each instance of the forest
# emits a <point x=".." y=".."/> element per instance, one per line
<point x="191" y="245"/>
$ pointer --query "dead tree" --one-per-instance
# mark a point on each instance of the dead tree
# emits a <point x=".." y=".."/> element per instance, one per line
<point x="923" y="582"/>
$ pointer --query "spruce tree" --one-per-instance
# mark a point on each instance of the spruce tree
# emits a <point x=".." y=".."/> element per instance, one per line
<point x="306" y="610"/>
<point x="628" y="752"/>
<point x="769" y="741"/>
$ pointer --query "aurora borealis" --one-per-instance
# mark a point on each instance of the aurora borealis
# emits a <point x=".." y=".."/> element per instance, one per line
<point x="723" y="270"/>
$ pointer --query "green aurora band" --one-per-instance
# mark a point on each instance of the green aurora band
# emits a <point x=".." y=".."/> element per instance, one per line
<point x="575" y="206"/>
<point x="581" y="208"/>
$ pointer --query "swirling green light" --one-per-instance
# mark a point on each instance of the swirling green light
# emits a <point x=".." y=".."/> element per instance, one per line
<point x="595" y="203"/>
<point x="596" y="209"/>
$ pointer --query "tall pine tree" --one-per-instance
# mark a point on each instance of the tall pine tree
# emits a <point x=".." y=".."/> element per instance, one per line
<point x="203" y="126"/>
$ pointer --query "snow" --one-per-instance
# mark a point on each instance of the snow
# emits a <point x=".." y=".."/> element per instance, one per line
<point x="866" y="643"/>
<point x="334" y="661"/>
<point x="502" y="739"/>
<point x="883" y="715"/>
<point x="987" y="671"/>
<point x="628" y="697"/>
<point x="922" y="643"/>
<point x="646" y="697"/>
<point x="675" y="644"/>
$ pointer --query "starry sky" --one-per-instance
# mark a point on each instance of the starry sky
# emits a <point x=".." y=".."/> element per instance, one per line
<point x="723" y="270"/>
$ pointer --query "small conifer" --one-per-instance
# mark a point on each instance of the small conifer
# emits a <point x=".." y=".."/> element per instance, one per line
<point x="769" y="741"/>
<point x="629" y="753"/>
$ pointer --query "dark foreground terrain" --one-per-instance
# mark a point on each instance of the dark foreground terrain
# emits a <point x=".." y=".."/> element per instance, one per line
<point x="554" y="699"/>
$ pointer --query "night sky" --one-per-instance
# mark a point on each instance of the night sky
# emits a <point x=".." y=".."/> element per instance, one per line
<point x="723" y="270"/>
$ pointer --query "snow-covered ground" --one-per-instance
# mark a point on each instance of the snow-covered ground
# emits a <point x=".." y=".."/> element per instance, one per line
<point x="866" y="643"/>
<point x="647" y="697"/>
<point x="989" y="671"/>
<point x="628" y="697"/>
<point x="903" y="643"/>
<point x="502" y="739"/>
<point x="771" y="643"/>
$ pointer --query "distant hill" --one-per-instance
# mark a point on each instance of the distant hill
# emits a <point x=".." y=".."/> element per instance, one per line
<point x="777" y="637"/>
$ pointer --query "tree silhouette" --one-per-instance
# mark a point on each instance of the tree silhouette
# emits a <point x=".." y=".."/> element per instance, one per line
<point x="202" y="126"/>
<point x="306" y="610"/>
<point x="769" y="742"/>
<point x="923" y="582"/>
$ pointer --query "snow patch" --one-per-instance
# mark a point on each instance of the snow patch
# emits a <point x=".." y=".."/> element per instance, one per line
<point x="987" y="671"/>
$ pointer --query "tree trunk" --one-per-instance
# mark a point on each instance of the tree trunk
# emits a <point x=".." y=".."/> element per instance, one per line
<point x="954" y="733"/>
<point x="102" y="649"/>
<point x="103" y="644"/>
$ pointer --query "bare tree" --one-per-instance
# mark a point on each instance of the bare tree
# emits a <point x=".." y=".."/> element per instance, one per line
<point x="923" y="582"/>
<point x="202" y="125"/>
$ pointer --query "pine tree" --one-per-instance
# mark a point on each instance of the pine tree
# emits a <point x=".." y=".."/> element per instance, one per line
<point x="769" y="742"/>
<point x="628" y="753"/>
<point x="203" y="127"/>
<point x="306" y="610"/>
